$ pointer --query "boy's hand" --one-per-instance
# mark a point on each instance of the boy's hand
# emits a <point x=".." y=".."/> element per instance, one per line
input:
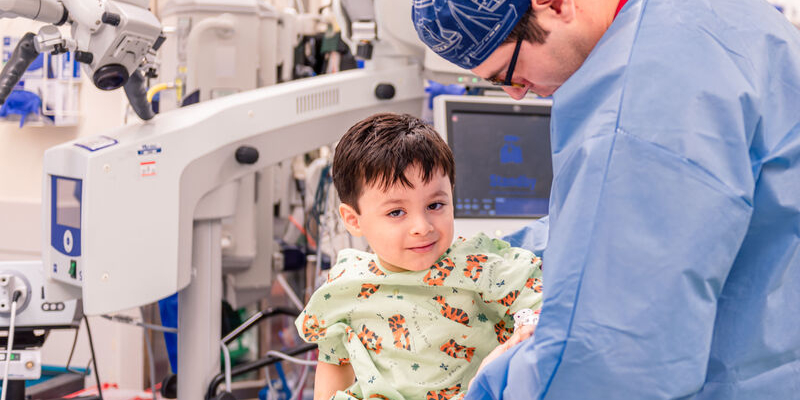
<point x="520" y="334"/>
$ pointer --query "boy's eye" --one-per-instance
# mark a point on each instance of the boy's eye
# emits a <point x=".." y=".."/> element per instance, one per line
<point x="435" y="206"/>
<point x="396" y="213"/>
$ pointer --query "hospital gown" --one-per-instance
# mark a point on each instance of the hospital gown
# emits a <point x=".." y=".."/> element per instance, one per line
<point x="420" y="334"/>
<point x="676" y="155"/>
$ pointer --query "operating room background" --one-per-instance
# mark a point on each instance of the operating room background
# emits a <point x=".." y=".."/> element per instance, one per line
<point x="118" y="347"/>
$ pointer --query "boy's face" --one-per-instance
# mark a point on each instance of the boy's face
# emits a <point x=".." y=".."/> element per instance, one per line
<point x="409" y="229"/>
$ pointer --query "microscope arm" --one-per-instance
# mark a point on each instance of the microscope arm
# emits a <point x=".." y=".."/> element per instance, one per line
<point x="113" y="39"/>
<point x="20" y="60"/>
<point x="49" y="11"/>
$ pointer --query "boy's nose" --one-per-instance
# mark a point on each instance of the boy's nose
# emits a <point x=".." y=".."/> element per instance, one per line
<point x="421" y="226"/>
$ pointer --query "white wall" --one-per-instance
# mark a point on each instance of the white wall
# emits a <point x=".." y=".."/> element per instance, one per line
<point x="119" y="348"/>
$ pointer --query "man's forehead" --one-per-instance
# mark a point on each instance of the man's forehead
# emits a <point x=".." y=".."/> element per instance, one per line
<point x="496" y="63"/>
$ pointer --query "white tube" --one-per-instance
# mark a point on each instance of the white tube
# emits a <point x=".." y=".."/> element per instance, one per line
<point x="289" y="292"/>
<point x="291" y="359"/>
<point x="227" y="360"/>
<point x="50" y="11"/>
<point x="9" y="346"/>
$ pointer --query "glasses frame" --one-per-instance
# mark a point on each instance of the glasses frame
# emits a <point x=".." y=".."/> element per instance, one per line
<point x="510" y="72"/>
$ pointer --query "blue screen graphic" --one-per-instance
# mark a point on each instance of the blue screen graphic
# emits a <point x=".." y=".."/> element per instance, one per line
<point x="503" y="163"/>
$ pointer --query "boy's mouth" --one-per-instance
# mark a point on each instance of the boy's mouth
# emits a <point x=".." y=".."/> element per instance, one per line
<point x="423" y="249"/>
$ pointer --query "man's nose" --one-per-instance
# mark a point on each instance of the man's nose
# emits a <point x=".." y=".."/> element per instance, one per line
<point x="516" y="93"/>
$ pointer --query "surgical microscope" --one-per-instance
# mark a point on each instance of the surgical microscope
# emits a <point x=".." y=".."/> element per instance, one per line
<point x="115" y="40"/>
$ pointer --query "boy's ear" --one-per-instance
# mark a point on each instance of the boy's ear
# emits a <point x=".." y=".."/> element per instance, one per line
<point x="350" y="219"/>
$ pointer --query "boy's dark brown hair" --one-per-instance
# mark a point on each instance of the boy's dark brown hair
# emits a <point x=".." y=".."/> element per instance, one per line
<point x="378" y="149"/>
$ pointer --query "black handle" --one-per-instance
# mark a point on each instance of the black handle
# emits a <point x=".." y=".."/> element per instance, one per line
<point x="111" y="18"/>
<point x="20" y="60"/>
<point x="246" y="155"/>
<point x="137" y="95"/>
<point x="385" y="91"/>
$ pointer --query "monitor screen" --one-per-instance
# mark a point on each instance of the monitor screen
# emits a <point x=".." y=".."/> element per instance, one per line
<point x="502" y="156"/>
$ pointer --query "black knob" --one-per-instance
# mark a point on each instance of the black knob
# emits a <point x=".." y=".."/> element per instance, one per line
<point x="247" y="155"/>
<point x="224" y="396"/>
<point x="384" y="91"/>
<point x="111" y="18"/>
<point x="364" y="51"/>
<point x="169" y="387"/>
<point x="84" y="57"/>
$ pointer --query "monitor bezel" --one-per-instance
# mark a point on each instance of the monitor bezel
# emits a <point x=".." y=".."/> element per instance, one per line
<point x="446" y="105"/>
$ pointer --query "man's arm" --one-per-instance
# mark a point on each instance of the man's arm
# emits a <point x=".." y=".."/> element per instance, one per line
<point x="331" y="378"/>
<point x="640" y="248"/>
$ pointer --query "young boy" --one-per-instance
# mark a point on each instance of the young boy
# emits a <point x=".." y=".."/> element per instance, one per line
<point x="414" y="319"/>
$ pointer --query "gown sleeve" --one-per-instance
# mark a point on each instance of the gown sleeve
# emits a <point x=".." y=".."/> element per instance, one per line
<point x="508" y="279"/>
<point x="324" y="320"/>
<point x="636" y="261"/>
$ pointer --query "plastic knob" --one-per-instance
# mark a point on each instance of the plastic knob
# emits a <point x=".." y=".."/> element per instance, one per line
<point x="224" y="396"/>
<point x="364" y="51"/>
<point x="110" y="19"/>
<point x="384" y="91"/>
<point x="84" y="57"/>
<point x="169" y="387"/>
<point x="247" y="155"/>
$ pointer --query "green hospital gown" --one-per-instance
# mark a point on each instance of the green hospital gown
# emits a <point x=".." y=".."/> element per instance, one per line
<point x="420" y="334"/>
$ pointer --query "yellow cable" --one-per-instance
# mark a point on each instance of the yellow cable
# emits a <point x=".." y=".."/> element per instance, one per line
<point x="157" y="88"/>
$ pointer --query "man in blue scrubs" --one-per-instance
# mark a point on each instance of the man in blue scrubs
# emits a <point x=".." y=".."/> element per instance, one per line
<point x="672" y="269"/>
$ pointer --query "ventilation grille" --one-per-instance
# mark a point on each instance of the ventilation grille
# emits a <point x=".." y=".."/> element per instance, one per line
<point x="317" y="101"/>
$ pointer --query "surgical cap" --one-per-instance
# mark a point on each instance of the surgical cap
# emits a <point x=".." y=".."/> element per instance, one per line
<point x="466" y="32"/>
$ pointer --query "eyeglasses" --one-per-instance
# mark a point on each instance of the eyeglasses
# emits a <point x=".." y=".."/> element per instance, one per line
<point x="510" y="72"/>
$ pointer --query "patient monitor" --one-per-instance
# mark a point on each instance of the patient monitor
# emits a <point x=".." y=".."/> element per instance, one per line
<point x="503" y="164"/>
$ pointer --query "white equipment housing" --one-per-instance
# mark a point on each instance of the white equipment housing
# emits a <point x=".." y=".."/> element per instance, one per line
<point x="133" y="216"/>
<point x="141" y="185"/>
<point x="218" y="47"/>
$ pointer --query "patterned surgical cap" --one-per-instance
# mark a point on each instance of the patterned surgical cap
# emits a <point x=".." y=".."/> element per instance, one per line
<point x="466" y="32"/>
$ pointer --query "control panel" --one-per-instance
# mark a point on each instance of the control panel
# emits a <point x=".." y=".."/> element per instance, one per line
<point x="24" y="365"/>
<point x="65" y="229"/>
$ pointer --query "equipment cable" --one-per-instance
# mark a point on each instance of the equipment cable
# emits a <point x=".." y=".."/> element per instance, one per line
<point x="94" y="359"/>
<point x="227" y="360"/>
<point x="10" y="343"/>
<point x="72" y="352"/>
<point x="291" y="359"/>
<point x="130" y="321"/>
<point x="151" y="363"/>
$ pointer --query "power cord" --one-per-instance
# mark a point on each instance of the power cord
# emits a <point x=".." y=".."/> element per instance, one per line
<point x="130" y="321"/>
<point x="72" y="352"/>
<point x="10" y="344"/>
<point x="151" y="363"/>
<point x="291" y="359"/>
<point x="124" y="319"/>
<point x="94" y="359"/>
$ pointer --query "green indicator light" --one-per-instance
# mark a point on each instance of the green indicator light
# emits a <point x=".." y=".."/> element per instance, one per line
<point x="73" y="269"/>
<point x="461" y="79"/>
<point x="474" y="80"/>
<point x="14" y="356"/>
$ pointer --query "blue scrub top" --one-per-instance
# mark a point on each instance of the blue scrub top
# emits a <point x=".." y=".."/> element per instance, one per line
<point x="673" y="263"/>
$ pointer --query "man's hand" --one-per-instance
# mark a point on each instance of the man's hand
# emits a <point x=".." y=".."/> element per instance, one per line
<point x="520" y="334"/>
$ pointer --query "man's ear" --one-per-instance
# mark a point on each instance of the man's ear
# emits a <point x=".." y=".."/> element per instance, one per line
<point x="563" y="9"/>
<point x="351" y="219"/>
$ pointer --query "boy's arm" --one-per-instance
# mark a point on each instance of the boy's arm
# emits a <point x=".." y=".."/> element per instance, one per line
<point x="524" y="332"/>
<point x="331" y="378"/>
